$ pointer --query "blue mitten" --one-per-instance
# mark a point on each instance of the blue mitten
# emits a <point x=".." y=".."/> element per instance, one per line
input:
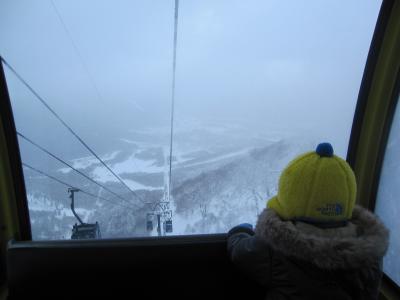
<point x="244" y="227"/>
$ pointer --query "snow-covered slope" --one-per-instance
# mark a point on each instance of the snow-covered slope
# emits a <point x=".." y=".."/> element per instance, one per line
<point x="235" y="192"/>
<point x="215" y="185"/>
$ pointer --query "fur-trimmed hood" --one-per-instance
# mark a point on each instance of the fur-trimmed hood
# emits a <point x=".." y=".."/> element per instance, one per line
<point x="363" y="241"/>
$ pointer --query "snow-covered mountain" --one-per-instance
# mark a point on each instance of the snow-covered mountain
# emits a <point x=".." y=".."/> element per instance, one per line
<point x="220" y="178"/>
<point x="234" y="192"/>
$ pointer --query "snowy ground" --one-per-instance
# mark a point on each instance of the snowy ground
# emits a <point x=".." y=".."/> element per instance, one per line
<point x="220" y="178"/>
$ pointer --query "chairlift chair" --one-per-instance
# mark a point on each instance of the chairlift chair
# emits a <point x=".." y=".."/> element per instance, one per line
<point x="149" y="223"/>
<point x="168" y="226"/>
<point x="82" y="230"/>
<point x="86" y="231"/>
<point x="150" y="226"/>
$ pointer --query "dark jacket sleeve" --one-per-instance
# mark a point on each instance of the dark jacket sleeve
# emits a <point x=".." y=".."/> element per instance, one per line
<point x="250" y="255"/>
<point x="371" y="278"/>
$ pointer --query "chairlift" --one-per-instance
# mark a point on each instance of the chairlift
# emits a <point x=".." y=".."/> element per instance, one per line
<point x="82" y="230"/>
<point x="149" y="222"/>
<point x="149" y="226"/>
<point x="168" y="226"/>
<point x="86" y="231"/>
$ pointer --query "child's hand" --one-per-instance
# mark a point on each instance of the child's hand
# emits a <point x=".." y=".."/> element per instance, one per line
<point x="244" y="227"/>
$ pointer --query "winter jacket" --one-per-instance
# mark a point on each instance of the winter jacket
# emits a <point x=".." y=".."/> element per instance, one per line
<point x="296" y="260"/>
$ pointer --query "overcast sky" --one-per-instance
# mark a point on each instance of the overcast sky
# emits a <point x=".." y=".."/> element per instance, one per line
<point x="278" y="65"/>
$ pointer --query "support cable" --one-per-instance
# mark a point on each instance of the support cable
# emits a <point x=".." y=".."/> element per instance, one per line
<point x="81" y="59"/>
<point x="173" y="95"/>
<point x="68" y="127"/>
<point x="78" y="53"/>
<point x="71" y="186"/>
<point x="69" y="166"/>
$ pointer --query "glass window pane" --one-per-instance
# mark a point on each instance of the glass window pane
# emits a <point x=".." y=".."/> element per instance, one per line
<point x="388" y="204"/>
<point x="257" y="83"/>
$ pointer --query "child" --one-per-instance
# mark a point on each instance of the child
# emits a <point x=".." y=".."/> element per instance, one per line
<point x="312" y="242"/>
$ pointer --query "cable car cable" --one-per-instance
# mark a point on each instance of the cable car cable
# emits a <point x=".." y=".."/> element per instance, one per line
<point x="173" y="94"/>
<point x="68" y="127"/>
<point x="168" y="223"/>
<point x="78" y="53"/>
<point x="69" y="166"/>
<point x="71" y="186"/>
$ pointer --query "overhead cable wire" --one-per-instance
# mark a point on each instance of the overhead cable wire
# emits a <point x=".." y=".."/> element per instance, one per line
<point x="78" y="53"/>
<point x="173" y="95"/>
<point x="68" y="127"/>
<point x="69" y="166"/>
<point x="71" y="186"/>
<point x="84" y="66"/>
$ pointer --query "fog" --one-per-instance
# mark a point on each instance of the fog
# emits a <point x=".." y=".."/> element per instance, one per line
<point x="269" y="66"/>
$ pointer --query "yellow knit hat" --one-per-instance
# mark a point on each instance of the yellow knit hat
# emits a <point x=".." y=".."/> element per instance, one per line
<point x="316" y="186"/>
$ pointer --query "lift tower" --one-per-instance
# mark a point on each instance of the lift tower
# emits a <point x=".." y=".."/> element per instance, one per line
<point x="161" y="209"/>
<point x="162" y="212"/>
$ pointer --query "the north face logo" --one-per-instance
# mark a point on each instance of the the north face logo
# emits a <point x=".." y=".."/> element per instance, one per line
<point x="334" y="209"/>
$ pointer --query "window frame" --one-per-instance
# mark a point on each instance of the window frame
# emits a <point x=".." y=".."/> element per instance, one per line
<point x="378" y="97"/>
<point x="380" y="159"/>
<point x="373" y="105"/>
<point x="367" y="79"/>
<point x="14" y="212"/>
<point x="383" y="144"/>
<point x="15" y="163"/>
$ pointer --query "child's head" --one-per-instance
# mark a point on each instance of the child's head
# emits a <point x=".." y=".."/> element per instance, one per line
<point x="317" y="187"/>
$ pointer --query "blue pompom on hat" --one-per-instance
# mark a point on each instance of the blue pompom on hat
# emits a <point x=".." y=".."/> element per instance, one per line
<point x="324" y="150"/>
